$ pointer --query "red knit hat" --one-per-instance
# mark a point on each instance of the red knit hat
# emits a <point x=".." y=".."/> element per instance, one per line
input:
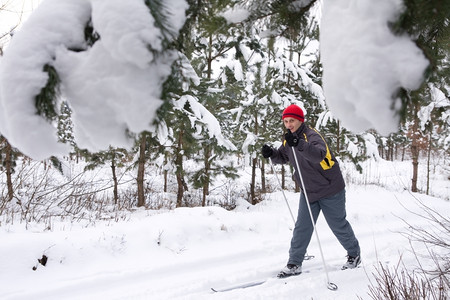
<point x="294" y="111"/>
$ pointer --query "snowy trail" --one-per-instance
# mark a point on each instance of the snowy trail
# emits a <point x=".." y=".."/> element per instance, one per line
<point x="202" y="248"/>
<point x="162" y="282"/>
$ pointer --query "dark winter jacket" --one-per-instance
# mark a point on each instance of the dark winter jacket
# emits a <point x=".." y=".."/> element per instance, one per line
<point x="319" y="168"/>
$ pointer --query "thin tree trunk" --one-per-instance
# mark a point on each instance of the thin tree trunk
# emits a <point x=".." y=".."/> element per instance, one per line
<point x="391" y="150"/>
<point x="253" y="183"/>
<point x="254" y="164"/>
<point x="263" y="176"/>
<point x="415" y="150"/>
<point x="180" y="191"/>
<point x="207" y="167"/>
<point x="297" y="186"/>
<point x="8" y="165"/>
<point x="179" y="165"/>
<point x="415" y="163"/>
<point x="113" y="169"/>
<point x="428" y="163"/>
<point x="338" y="139"/>
<point x="396" y="151"/>
<point x="141" y="171"/>
<point x="8" y="161"/>
<point x="388" y="150"/>
<point x="263" y="165"/>
<point x="165" y="173"/>
<point x="210" y="59"/>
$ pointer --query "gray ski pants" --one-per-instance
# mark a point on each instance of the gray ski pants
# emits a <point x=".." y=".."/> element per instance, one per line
<point x="333" y="208"/>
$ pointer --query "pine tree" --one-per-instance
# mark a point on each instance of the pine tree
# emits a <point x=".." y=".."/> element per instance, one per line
<point x="204" y="38"/>
<point x="429" y="23"/>
<point x="182" y="142"/>
<point x="65" y="125"/>
<point x="184" y="145"/>
<point x="8" y="157"/>
<point x="296" y="79"/>
<point x="114" y="157"/>
<point x="140" y="178"/>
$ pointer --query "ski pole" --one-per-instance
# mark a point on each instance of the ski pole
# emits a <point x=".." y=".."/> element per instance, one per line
<point x="284" y="195"/>
<point x="330" y="285"/>
<point x="307" y="257"/>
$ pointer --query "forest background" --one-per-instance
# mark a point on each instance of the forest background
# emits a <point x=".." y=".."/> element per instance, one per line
<point x="222" y="101"/>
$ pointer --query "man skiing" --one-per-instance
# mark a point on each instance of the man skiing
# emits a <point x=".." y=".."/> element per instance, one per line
<point x="323" y="184"/>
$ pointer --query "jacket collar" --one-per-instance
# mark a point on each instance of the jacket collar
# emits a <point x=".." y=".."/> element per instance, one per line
<point x="301" y="129"/>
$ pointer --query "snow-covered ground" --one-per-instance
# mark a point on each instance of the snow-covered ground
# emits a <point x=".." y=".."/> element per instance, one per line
<point x="182" y="253"/>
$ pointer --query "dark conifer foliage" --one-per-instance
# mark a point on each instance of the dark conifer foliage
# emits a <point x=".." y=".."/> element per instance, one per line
<point x="46" y="99"/>
<point x="215" y="69"/>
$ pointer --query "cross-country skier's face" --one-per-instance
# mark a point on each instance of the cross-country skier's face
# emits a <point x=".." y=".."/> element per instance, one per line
<point x="292" y="124"/>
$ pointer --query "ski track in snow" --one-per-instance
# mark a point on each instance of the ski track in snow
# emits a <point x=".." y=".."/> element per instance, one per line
<point x="126" y="263"/>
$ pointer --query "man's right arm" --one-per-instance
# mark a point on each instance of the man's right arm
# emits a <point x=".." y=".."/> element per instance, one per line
<point x="279" y="155"/>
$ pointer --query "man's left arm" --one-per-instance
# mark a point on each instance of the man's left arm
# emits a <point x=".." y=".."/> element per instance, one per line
<point x="314" y="149"/>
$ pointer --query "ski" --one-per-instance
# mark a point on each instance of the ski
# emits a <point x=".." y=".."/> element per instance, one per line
<point x="257" y="282"/>
<point x="251" y="283"/>
<point x="239" y="286"/>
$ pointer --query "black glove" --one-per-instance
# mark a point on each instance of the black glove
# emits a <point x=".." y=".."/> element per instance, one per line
<point x="294" y="141"/>
<point x="291" y="139"/>
<point x="267" y="151"/>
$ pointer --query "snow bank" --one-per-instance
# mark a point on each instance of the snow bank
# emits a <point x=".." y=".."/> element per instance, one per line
<point x="365" y="64"/>
<point x="181" y="254"/>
